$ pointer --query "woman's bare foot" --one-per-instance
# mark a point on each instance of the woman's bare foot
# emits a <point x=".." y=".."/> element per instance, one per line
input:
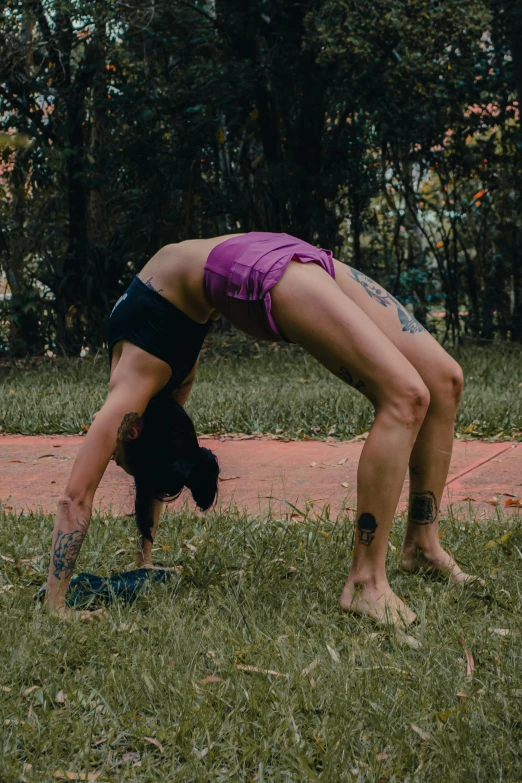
<point x="437" y="561"/>
<point x="378" y="602"/>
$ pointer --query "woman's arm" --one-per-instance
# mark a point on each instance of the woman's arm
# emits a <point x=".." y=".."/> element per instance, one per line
<point x="129" y="394"/>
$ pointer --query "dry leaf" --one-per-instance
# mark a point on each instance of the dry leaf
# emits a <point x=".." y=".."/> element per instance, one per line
<point x="6" y="588"/>
<point x="120" y="552"/>
<point x="493" y="501"/>
<point x="500" y="631"/>
<point x="5" y="688"/>
<point x="382" y="756"/>
<point x="344" y="484"/>
<point x="342" y="461"/>
<point x="425" y="735"/>
<point x="513" y="502"/>
<point x="210" y="679"/>
<point x="462" y="695"/>
<point x="7" y="559"/>
<point x="445" y="715"/>
<point x="16" y="460"/>
<point x="464" y="499"/>
<point x="228" y="478"/>
<point x="247" y="668"/>
<point x="313" y="464"/>
<point x="469" y="659"/>
<point x="60" y="697"/>
<point x="334" y="655"/>
<point x="391" y="546"/>
<point x="190" y="547"/>
<point x="311" y="666"/>
<point x="30" y="690"/>
<point x="496" y="541"/>
<point x="87" y="776"/>
<point x="99" y="742"/>
<point x="154" y="742"/>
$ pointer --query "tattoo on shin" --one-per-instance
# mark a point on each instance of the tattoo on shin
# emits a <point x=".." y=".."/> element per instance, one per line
<point x="423" y="508"/>
<point x="408" y="322"/>
<point x="367" y="526"/>
<point x="345" y="375"/>
<point x="66" y="549"/>
<point x="128" y="422"/>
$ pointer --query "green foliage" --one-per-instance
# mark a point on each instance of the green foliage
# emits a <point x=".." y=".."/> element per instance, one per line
<point x="260" y="592"/>
<point x="288" y="394"/>
<point x="367" y="128"/>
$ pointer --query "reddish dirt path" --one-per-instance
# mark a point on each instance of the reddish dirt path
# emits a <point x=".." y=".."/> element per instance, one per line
<point x="259" y="473"/>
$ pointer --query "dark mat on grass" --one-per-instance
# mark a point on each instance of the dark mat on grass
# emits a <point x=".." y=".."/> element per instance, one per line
<point x="87" y="589"/>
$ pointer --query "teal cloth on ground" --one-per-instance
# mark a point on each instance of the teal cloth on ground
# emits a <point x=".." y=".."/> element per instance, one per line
<point x="86" y="589"/>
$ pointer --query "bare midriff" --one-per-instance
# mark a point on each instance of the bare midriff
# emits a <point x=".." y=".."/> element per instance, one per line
<point x="176" y="272"/>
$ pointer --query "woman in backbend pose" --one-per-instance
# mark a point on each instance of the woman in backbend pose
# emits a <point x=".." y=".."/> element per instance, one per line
<point x="273" y="287"/>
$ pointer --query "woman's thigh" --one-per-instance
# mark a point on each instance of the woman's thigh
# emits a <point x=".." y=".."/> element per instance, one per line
<point x="311" y="309"/>
<point x="429" y="358"/>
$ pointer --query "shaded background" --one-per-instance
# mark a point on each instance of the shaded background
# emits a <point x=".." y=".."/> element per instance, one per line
<point x="388" y="131"/>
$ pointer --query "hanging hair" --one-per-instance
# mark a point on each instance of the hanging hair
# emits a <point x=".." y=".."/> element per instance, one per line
<point x="165" y="457"/>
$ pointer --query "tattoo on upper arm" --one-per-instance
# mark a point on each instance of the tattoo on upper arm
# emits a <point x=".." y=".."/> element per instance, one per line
<point x="423" y="508"/>
<point x="345" y="375"/>
<point x="380" y="295"/>
<point x="367" y="526"/>
<point x="66" y="549"/>
<point x="148" y="283"/>
<point x="128" y="422"/>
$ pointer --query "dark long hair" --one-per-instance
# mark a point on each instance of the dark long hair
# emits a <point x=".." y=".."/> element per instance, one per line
<point x="165" y="457"/>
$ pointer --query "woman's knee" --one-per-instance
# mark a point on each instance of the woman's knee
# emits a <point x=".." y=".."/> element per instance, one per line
<point x="446" y="390"/>
<point x="408" y="403"/>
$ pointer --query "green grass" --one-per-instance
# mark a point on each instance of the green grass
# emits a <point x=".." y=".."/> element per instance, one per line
<point x="248" y="387"/>
<point x="261" y="592"/>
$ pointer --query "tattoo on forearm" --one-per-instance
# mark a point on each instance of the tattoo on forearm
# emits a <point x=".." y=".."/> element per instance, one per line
<point x="367" y="526"/>
<point x="148" y="283"/>
<point x="408" y="322"/>
<point x="128" y="422"/>
<point x="345" y="375"/>
<point x="423" y="508"/>
<point x="66" y="549"/>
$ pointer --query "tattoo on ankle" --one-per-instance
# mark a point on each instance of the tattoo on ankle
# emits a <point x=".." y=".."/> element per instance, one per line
<point x="345" y="375"/>
<point x="367" y="526"/>
<point x="423" y="508"/>
<point x="148" y="283"/>
<point x="66" y="549"/>
<point x="128" y="422"/>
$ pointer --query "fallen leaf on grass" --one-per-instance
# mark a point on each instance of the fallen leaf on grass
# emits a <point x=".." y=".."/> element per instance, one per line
<point x="425" y="735"/>
<point x="311" y="666"/>
<point x="87" y="776"/>
<point x="30" y="690"/>
<point x="462" y="695"/>
<point x="154" y="742"/>
<point x="120" y="552"/>
<point x="7" y="559"/>
<point x="334" y="655"/>
<point x="513" y="502"/>
<point x="228" y="478"/>
<point x="247" y="668"/>
<point x="500" y="631"/>
<point x="445" y="715"/>
<point x="210" y="679"/>
<point x="60" y="697"/>
<point x="469" y="659"/>
<point x="499" y="541"/>
<point x="382" y="756"/>
<point x="5" y="688"/>
<point x="6" y="588"/>
<point x="99" y="742"/>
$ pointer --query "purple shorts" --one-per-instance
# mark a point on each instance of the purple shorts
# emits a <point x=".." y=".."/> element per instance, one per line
<point x="241" y="271"/>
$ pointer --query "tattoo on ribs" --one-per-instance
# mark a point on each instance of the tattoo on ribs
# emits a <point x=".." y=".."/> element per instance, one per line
<point x="367" y="526"/>
<point x="128" y="422"/>
<point x="345" y="375"/>
<point x="423" y="508"/>
<point x="408" y="322"/>
<point x="148" y="283"/>
<point x="66" y="549"/>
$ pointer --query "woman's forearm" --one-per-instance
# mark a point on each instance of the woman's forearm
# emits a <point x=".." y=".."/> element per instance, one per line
<point x="70" y="528"/>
